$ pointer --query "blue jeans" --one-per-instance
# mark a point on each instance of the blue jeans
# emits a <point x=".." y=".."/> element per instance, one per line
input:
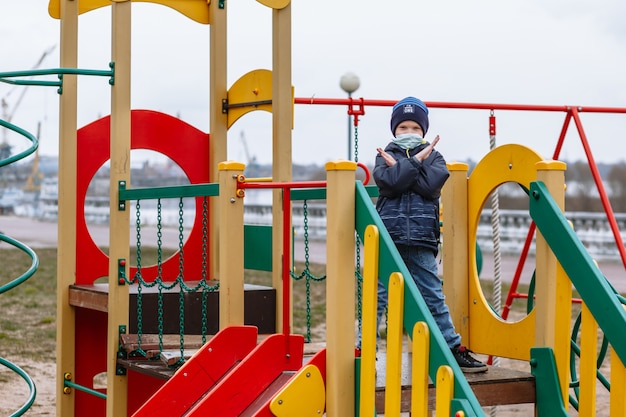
<point x="422" y="265"/>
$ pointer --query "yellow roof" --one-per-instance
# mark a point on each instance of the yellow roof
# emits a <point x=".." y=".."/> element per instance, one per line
<point x="197" y="10"/>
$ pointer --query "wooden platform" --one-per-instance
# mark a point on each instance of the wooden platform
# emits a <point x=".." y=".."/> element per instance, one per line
<point x="497" y="386"/>
<point x="259" y="307"/>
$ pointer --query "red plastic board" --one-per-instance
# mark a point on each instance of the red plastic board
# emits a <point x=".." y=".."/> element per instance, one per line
<point x="201" y="372"/>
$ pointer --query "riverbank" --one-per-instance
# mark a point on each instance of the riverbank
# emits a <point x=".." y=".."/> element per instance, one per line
<point x="41" y="234"/>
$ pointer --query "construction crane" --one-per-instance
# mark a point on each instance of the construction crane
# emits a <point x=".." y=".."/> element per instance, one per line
<point x="5" y="147"/>
<point x="251" y="165"/>
<point x="6" y="116"/>
<point x="33" y="182"/>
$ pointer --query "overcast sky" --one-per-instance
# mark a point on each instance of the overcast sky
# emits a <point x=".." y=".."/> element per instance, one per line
<point x="543" y="52"/>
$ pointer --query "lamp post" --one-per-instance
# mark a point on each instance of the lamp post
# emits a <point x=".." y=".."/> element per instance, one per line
<point x="349" y="83"/>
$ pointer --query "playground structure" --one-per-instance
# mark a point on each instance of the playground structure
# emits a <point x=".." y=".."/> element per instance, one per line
<point x="233" y="373"/>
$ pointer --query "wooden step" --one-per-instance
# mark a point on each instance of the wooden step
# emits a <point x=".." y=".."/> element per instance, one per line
<point x="497" y="386"/>
<point x="166" y="348"/>
<point x="161" y="367"/>
<point x="130" y="342"/>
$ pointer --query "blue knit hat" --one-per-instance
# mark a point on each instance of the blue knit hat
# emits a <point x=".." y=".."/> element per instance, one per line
<point x="409" y="108"/>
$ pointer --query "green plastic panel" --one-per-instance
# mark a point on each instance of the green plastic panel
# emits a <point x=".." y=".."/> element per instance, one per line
<point x="257" y="247"/>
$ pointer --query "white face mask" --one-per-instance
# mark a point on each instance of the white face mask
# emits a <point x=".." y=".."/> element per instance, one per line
<point x="408" y="140"/>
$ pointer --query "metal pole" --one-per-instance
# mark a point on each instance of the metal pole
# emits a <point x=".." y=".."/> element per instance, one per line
<point x="349" y="83"/>
<point x="349" y="131"/>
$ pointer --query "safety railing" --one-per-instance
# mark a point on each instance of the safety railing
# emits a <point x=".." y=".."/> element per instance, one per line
<point x="17" y="77"/>
<point x="409" y="313"/>
<point x="307" y="192"/>
<point x="294" y="191"/>
<point x="602" y="307"/>
<point x="160" y="281"/>
<point x="311" y="190"/>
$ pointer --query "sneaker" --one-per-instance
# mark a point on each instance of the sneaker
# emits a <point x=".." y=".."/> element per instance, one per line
<point x="467" y="363"/>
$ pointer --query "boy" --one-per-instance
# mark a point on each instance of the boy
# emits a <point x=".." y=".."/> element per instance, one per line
<point x="409" y="174"/>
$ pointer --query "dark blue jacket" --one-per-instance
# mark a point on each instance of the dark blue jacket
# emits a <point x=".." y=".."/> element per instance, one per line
<point x="409" y="192"/>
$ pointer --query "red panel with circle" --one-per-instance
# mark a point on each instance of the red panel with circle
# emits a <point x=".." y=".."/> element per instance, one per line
<point x="182" y="143"/>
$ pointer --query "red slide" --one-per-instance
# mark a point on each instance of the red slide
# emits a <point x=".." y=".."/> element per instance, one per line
<point x="201" y="372"/>
<point x="229" y="376"/>
<point x="246" y="389"/>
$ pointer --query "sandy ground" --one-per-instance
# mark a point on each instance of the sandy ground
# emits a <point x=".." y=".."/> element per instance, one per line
<point x="44" y="234"/>
<point x="15" y="391"/>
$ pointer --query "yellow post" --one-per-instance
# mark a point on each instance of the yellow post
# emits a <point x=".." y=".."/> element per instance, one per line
<point x="393" y="383"/>
<point x="617" y="397"/>
<point x="231" y="245"/>
<point x="420" y="364"/>
<point x="340" y="288"/>
<point x="368" y="326"/>
<point x="553" y="288"/>
<point x="445" y="391"/>
<point x="588" y="360"/>
<point x="119" y="239"/>
<point x="618" y="386"/>
<point x="455" y="247"/>
<point x="66" y="253"/>
<point x="282" y="121"/>
<point x="218" y="121"/>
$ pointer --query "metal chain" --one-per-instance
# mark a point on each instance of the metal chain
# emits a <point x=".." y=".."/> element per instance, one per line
<point x="159" y="277"/>
<point x="181" y="238"/>
<point x="356" y="144"/>
<point x="305" y="211"/>
<point x="202" y="286"/>
<point x="160" y="317"/>
<point x="138" y="279"/>
<point x="205" y="239"/>
<point x="359" y="281"/>
<point x="308" y="310"/>
<point x="306" y="273"/>
<point x="159" y="241"/>
<point x="138" y="235"/>
<point x="140" y="320"/>
<point x="357" y="270"/>
<point x="180" y="279"/>
<point x="181" y="319"/>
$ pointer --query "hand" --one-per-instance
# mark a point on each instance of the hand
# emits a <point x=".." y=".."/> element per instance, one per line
<point x="425" y="153"/>
<point x="389" y="160"/>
